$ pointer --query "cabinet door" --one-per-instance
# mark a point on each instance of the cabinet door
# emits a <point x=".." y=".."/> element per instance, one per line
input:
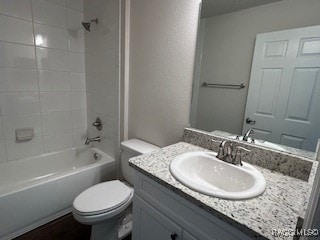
<point x="187" y="236"/>
<point x="149" y="223"/>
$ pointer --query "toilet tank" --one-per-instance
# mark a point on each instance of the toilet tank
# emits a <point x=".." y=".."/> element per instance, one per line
<point x="132" y="148"/>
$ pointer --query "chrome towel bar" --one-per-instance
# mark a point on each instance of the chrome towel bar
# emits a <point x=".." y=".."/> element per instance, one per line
<point x="219" y="85"/>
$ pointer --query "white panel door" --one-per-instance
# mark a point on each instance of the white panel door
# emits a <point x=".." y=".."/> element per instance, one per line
<point x="284" y="93"/>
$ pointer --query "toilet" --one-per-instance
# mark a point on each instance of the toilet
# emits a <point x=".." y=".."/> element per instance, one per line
<point x="104" y="205"/>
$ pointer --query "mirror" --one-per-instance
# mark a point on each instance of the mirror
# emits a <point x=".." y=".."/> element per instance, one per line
<point x="257" y="67"/>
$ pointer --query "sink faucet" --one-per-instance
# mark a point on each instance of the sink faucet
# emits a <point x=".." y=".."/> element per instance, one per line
<point x="247" y="134"/>
<point x="95" y="139"/>
<point x="230" y="154"/>
<point x="225" y="151"/>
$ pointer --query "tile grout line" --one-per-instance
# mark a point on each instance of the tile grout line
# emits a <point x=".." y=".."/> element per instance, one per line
<point x="37" y="69"/>
<point x="70" y="92"/>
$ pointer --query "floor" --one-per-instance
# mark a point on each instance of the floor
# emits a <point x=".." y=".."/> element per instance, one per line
<point x="64" y="228"/>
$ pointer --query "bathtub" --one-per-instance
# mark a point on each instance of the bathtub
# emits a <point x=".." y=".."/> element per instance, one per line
<point x="34" y="191"/>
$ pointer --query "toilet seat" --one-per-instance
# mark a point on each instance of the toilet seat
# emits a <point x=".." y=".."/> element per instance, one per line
<point x="108" y="197"/>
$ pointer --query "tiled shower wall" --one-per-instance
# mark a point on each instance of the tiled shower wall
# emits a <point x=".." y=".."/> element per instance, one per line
<point x="42" y="75"/>
<point x="102" y="71"/>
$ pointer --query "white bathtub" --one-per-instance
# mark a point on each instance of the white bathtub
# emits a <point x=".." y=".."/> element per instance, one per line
<point x="34" y="191"/>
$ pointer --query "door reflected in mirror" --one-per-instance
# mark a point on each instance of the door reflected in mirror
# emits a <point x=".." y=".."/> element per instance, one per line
<point x="258" y="67"/>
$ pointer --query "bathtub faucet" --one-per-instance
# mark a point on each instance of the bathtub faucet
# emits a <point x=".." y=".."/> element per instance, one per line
<point x="95" y="139"/>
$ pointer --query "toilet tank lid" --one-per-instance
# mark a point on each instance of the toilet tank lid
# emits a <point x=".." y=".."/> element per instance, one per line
<point x="139" y="146"/>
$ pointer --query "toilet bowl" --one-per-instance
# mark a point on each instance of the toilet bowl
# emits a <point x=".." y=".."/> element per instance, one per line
<point x="104" y="205"/>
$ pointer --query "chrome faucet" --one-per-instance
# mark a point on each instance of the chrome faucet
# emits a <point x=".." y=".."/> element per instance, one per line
<point x="225" y="151"/>
<point x="95" y="139"/>
<point x="230" y="154"/>
<point x="247" y="134"/>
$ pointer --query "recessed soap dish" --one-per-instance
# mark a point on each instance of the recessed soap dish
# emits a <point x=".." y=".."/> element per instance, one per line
<point x="24" y="134"/>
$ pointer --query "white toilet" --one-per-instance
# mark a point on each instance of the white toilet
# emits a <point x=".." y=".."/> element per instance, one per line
<point x="104" y="204"/>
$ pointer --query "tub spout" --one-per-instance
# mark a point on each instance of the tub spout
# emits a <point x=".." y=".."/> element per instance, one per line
<point x="89" y="140"/>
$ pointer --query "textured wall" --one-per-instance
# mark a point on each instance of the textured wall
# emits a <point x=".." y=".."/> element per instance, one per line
<point x="162" y="50"/>
<point x="42" y="79"/>
<point x="227" y="56"/>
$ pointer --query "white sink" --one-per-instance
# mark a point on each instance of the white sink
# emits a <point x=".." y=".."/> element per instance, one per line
<point x="204" y="173"/>
<point x="261" y="143"/>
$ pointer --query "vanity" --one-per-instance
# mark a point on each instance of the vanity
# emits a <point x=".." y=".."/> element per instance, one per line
<point x="164" y="208"/>
<point x="256" y="84"/>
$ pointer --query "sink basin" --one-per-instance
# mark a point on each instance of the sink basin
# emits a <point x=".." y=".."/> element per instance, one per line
<point x="262" y="143"/>
<point x="204" y="173"/>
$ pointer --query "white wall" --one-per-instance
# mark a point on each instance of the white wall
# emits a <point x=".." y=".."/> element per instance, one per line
<point x="227" y="56"/>
<point x="162" y="50"/>
<point x="42" y="85"/>
<point x="102" y="71"/>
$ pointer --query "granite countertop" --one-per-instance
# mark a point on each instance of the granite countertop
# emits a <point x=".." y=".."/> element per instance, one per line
<point x="279" y="207"/>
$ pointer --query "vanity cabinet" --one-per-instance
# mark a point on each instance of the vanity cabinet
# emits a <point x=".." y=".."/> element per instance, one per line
<point x="152" y="224"/>
<point x="161" y="214"/>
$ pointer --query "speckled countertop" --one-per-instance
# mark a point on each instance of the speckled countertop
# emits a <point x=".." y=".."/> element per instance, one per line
<point x="277" y="208"/>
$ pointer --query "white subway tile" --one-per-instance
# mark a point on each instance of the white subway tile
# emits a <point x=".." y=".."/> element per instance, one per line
<point x="79" y="119"/>
<point x="101" y="82"/>
<point x="60" y="2"/>
<point x="79" y="137"/>
<point x="77" y="62"/>
<point x="111" y="106"/>
<point x="53" y="80"/>
<point x="89" y="97"/>
<point x="11" y="123"/>
<point x="59" y="141"/>
<point x="16" y="55"/>
<point x="103" y="103"/>
<point x="56" y="122"/>
<point x="74" y="20"/>
<point x="16" y="8"/>
<point x="24" y="149"/>
<point x="107" y="39"/>
<point x="78" y="100"/>
<point x="17" y="80"/>
<point x="19" y="103"/>
<point x="55" y="101"/>
<point x="110" y="127"/>
<point x="51" y="59"/>
<point x="1" y="132"/>
<point x="51" y="37"/>
<point x="3" y="154"/>
<point x="78" y="81"/>
<point x="103" y="61"/>
<point x="76" y="41"/>
<point x="92" y="115"/>
<point x="15" y="30"/>
<point x="49" y="13"/>
<point x="75" y="4"/>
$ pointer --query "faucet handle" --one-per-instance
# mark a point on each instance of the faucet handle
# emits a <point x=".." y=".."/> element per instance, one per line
<point x="98" y="124"/>
<point x="243" y="149"/>
<point x="216" y="141"/>
<point x="237" y="156"/>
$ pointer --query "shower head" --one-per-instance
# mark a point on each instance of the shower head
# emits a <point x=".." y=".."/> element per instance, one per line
<point x="86" y="25"/>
